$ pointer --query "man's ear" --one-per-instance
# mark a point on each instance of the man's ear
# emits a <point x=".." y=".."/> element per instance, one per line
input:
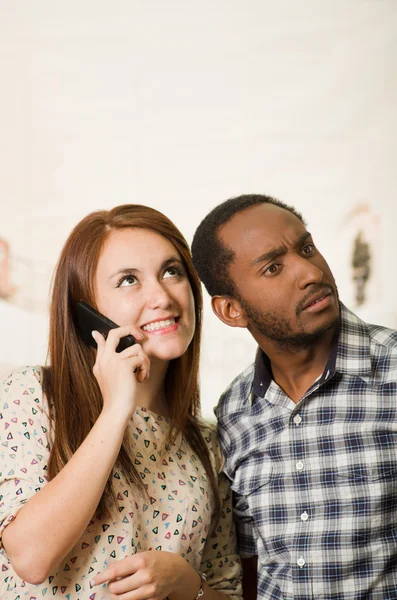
<point x="229" y="311"/>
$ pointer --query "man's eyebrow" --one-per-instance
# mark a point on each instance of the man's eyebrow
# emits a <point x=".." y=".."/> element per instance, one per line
<point x="275" y="252"/>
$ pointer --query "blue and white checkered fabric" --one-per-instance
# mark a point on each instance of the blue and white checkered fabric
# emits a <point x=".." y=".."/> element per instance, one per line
<point x="316" y="482"/>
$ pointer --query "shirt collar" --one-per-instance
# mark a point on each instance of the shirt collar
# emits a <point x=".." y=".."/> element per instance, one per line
<point x="262" y="374"/>
<point x="353" y="352"/>
<point x="350" y="354"/>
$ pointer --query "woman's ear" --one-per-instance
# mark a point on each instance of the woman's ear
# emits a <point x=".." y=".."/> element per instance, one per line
<point x="229" y="311"/>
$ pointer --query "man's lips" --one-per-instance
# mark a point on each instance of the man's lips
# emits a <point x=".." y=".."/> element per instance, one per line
<point x="324" y="292"/>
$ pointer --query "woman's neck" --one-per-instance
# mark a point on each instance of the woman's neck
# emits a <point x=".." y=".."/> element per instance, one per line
<point x="151" y="393"/>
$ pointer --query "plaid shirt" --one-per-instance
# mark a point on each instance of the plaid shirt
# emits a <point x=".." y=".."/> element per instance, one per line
<point x="316" y="482"/>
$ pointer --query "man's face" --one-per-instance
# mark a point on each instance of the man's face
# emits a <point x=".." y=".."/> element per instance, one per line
<point x="284" y="285"/>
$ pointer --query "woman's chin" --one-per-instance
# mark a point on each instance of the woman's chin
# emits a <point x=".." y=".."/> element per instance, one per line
<point x="166" y="354"/>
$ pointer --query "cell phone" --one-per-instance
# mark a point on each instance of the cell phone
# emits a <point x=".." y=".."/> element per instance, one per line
<point x="88" y="319"/>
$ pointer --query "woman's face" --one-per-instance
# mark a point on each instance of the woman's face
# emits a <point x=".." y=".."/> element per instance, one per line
<point x="141" y="281"/>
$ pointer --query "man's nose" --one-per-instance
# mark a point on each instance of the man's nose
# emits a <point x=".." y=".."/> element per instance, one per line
<point x="308" y="273"/>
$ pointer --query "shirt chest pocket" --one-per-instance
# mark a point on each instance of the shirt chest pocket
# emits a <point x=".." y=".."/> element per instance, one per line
<point x="368" y="472"/>
<point x="374" y="465"/>
<point x="367" y="487"/>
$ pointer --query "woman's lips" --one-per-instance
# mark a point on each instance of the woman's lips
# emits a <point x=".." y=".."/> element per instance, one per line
<point x="162" y="326"/>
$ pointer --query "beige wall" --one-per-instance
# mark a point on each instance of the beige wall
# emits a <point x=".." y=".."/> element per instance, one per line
<point x="180" y="106"/>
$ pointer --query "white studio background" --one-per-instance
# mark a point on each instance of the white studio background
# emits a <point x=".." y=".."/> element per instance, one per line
<point x="181" y="105"/>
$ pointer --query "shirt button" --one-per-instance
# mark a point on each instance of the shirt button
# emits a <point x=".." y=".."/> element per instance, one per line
<point x="304" y="516"/>
<point x="297" y="419"/>
<point x="301" y="562"/>
<point x="299" y="465"/>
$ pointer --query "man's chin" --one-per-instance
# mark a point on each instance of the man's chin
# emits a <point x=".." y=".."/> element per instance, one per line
<point x="306" y="339"/>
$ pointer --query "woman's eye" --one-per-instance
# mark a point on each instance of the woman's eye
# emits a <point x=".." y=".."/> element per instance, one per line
<point x="127" y="280"/>
<point x="172" y="272"/>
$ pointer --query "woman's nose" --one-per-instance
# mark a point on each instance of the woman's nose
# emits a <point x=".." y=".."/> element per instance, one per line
<point x="158" y="297"/>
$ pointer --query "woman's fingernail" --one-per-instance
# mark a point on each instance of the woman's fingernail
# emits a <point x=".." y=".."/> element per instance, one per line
<point x="92" y="583"/>
<point x="93" y="333"/>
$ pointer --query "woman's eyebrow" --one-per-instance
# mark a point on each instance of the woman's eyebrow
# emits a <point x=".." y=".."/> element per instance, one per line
<point x="124" y="271"/>
<point x="169" y="261"/>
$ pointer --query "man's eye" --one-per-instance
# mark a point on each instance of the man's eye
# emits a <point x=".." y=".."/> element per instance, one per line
<point x="308" y="249"/>
<point x="127" y="281"/>
<point x="272" y="270"/>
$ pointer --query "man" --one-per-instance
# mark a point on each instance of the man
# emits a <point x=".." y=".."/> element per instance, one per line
<point x="309" y="430"/>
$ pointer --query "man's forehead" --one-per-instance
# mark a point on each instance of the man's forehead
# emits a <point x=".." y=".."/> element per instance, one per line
<point x="260" y="228"/>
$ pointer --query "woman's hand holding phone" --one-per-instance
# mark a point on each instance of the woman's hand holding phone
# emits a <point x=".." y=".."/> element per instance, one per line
<point x="119" y="373"/>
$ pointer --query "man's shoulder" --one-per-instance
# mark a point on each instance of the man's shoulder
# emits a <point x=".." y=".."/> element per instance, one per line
<point x="237" y="393"/>
<point x="369" y="347"/>
<point x="383" y="349"/>
<point x="377" y="335"/>
<point x="383" y="337"/>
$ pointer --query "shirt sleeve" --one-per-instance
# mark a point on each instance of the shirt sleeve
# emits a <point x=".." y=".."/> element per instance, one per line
<point x="220" y="562"/>
<point x="24" y="442"/>
<point x="246" y="536"/>
<point x="244" y="523"/>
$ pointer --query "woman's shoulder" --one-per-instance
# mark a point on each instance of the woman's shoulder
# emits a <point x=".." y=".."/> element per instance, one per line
<point x="207" y="428"/>
<point x="210" y="436"/>
<point x="23" y="375"/>
<point x="22" y="383"/>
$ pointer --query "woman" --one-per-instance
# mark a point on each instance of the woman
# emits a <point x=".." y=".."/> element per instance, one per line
<point x="110" y="485"/>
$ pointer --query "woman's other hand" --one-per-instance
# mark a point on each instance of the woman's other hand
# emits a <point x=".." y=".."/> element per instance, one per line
<point x="151" y="575"/>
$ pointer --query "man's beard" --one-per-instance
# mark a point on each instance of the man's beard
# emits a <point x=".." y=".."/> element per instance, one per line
<point x="277" y="328"/>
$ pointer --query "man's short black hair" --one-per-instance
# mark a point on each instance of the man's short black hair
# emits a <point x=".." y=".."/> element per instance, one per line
<point x="210" y="257"/>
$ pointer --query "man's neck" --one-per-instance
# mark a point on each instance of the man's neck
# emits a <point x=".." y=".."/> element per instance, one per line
<point x="295" y="371"/>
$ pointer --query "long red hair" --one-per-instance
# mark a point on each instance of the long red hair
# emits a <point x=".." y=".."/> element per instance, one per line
<point x="68" y="382"/>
